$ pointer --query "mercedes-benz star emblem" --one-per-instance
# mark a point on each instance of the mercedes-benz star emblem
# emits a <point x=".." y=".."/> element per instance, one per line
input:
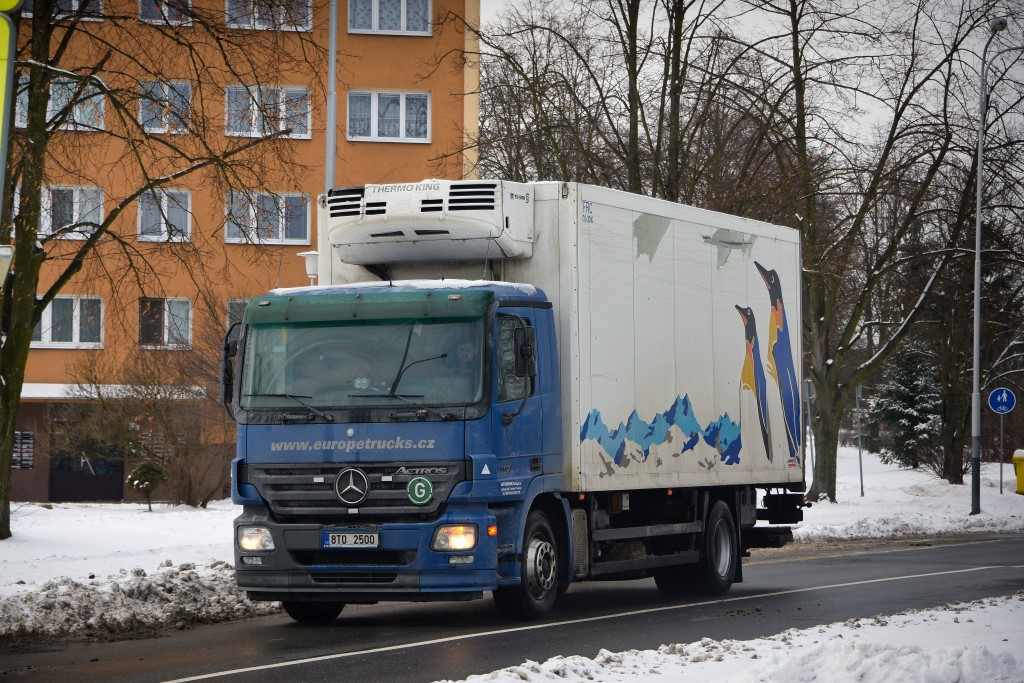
<point x="352" y="486"/>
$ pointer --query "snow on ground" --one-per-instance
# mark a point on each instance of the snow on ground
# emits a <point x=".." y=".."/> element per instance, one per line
<point x="93" y="570"/>
<point x="969" y="642"/>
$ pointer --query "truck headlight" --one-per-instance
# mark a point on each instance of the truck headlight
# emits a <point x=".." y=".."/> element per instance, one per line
<point x="454" y="537"/>
<point x="252" y="538"/>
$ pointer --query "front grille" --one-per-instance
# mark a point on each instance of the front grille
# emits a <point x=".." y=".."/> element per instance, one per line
<point x="354" y="558"/>
<point x="297" y="491"/>
<point x="353" y="578"/>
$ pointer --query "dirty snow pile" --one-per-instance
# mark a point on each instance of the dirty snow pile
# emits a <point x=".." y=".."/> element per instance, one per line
<point x="97" y="570"/>
<point x="94" y="570"/>
<point x="965" y="642"/>
<point x="128" y="602"/>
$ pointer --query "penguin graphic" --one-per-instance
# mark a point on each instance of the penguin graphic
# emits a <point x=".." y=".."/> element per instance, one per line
<point x="780" y="362"/>
<point x="752" y="376"/>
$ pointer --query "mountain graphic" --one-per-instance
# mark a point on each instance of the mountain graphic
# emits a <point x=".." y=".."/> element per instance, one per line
<point x="723" y="434"/>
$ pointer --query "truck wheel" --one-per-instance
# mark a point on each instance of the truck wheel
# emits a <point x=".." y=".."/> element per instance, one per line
<point x="721" y="552"/>
<point x="313" y="612"/>
<point x="537" y="591"/>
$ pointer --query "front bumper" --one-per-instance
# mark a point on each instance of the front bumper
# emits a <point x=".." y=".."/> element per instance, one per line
<point x="402" y="568"/>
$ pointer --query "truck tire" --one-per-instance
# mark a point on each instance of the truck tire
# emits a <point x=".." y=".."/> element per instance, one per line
<point x="313" y="612"/>
<point x="537" y="591"/>
<point x="720" y="551"/>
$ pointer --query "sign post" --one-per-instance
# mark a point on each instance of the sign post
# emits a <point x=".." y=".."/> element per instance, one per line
<point x="860" y="452"/>
<point x="1001" y="401"/>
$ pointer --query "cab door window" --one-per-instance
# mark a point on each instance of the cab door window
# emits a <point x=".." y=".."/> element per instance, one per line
<point x="510" y="386"/>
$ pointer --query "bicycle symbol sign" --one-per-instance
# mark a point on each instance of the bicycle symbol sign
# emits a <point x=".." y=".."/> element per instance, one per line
<point x="1002" y="400"/>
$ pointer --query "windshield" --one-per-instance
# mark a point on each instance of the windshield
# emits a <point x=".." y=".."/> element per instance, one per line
<point x="426" y="362"/>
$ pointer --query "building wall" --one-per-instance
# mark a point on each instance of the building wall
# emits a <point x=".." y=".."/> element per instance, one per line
<point x="207" y="270"/>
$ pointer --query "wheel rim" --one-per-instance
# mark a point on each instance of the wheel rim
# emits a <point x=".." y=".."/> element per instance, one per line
<point x="721" y="549"/>
<point x="540" y="566"/>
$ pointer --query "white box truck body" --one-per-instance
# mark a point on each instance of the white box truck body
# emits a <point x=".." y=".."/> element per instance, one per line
<point x="664" y="394"/>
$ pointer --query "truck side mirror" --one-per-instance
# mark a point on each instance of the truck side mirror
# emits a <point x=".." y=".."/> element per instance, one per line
<point x="227" y="370"/>
<point x="526" y="351"/>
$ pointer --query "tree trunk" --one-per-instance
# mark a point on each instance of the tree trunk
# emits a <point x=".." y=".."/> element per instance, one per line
<point x="826" y="445"/>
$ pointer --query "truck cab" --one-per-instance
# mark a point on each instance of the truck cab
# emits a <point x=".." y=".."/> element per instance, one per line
<point x="377" y="458"/>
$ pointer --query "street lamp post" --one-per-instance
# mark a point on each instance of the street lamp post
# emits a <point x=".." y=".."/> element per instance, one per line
<point x="995" y="26"/>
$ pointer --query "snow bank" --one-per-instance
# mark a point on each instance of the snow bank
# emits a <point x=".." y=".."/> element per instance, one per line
<point x="959" y="642"/>
<point x="899" y="502"/>
<point x="129" y="602"/>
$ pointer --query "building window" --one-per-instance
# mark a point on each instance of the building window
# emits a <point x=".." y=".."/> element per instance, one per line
<point x="267" y="14"/>
<point x="165" y="323"/>
<point x="254" y="111"/>
<point x="21" y="102"/>
<point x="267" y="218"/>
<point x="165" y="106"/>
<point x="389" y="16"/>
<point x="236" y="310"/>
<point x="71" y="212"/>
<point x="92" y="10"/>
<point x="165" y="216"/>
<point x="70" y="321"/>
<point x="24" y="451"/>
<point x="389" y="116"/>
<point x="166" y="11"/>
<point x="78" y="104"/>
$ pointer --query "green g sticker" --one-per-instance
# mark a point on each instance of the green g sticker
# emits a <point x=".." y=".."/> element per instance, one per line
<point x="420" y="490"/>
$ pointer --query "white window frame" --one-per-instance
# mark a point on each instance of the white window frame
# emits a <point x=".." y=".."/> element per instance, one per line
<point x="46" y="326"/>
<point x="167" y="326"/>
<point x="163" y="197"/>
<point x="21" y="100"/>
<point x="171" y="121"/>
<point x="75" y="4"/>
<point x="374" y="113"/>
<point x="78" y="119"/>
<point x="163" y="20"/>
<point x="46" y="212"/>
<point x="257" y="97"/>
<point x="404" y="31"/>
<point x="249" y="229"/>
<point x="257" y="20"/>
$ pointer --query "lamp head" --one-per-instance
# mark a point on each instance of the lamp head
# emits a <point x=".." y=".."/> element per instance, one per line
<point x="998" y="24"/>
<point x="312" y="264"/>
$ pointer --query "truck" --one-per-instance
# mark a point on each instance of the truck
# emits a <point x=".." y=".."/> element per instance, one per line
<point x="502" y="387"/>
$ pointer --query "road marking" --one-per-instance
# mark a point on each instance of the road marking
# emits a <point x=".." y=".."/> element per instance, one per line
<point x="873" y="551"/>
<point x="535" y="627"/>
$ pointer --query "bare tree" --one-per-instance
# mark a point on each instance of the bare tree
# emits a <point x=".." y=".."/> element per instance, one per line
<point x="852" y="123"/>
<point x="157" y="406"/>
<point x="137" y="103"/>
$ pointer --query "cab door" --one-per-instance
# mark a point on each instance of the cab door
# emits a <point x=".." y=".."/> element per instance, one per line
<point x="517" y="425"/>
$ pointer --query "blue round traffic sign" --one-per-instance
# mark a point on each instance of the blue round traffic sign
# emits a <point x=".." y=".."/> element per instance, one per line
<point x="1002" y="400"/>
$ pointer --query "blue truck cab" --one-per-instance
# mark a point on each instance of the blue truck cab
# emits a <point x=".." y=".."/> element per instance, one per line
<point x="375" y="456"/>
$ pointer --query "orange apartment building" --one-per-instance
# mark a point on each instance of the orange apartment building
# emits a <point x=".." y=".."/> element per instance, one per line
<point x="181" y="261"/>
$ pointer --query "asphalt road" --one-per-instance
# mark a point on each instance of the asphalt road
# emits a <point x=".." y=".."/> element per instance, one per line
<point x="795" y="587"/>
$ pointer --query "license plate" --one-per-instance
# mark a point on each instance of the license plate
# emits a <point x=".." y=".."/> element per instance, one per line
<point x="351" y="539"/>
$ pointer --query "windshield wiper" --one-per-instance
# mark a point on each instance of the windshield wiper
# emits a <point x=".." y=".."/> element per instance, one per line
<point x="401" y="371"/>
<point x="408" y="399"/>
<point x="298" y="399"/>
